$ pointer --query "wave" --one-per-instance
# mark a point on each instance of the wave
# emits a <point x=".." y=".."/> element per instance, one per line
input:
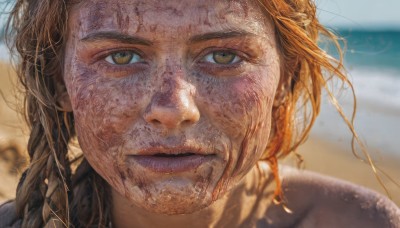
<point x="377" y="85"/>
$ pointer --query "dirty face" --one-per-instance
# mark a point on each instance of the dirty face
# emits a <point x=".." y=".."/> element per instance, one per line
<point x="172" y="99"/>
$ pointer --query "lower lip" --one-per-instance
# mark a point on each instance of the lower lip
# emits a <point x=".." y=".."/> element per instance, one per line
<point x="171" y="164"/>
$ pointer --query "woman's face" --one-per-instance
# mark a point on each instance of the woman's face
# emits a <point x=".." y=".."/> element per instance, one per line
<point x="172" y="99"/>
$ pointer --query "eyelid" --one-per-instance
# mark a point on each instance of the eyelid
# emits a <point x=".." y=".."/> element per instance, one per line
<point x="243" y="56"/>
<point x="104" y="54"/>
<point x="134" y="54"/>
<point x="236" y="59"/>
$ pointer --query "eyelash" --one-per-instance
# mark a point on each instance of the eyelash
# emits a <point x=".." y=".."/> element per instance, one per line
<point x="219" y="70"/>
<point x="105" y="54"/>
<point x="242" y="57"/>
<point x="100" y="60"/>
<point x="210" y="56"/>
<point x="135" y="56"/>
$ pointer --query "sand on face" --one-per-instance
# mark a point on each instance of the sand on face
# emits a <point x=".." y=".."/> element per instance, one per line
<point x="322" y="155"/>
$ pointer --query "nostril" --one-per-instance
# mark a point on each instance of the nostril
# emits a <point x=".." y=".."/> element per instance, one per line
<point x="155" y="122"/>
<point x="186" y="122"/>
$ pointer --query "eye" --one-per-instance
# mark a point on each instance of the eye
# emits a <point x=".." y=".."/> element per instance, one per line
<point x="123" y="58"/>
<point x="222" y="57"/>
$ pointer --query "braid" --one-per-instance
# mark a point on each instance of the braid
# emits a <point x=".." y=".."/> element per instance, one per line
<point x="58" y="173"/>
<point x="42" y="195"/>
<point x="36" y="30"/>
<point x="29" y="196"/>
<point x="91" y="203"/>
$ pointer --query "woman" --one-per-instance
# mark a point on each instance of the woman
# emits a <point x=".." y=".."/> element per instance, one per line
<point x="181" y="109"/>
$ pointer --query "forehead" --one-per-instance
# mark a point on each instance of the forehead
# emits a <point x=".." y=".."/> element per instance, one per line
<point x="180" y="16"/>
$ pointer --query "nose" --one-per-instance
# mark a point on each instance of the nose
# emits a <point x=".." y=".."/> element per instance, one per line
<point x="173" y="106"/>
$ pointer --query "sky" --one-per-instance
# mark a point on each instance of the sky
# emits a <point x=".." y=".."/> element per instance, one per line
<point x="364" y="14"/>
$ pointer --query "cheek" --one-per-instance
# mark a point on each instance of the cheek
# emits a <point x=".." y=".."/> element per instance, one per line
<point x="238" y="105"/>
<point x="104" y="109"/>
<point x="105" y="106"/>
<point x="241" y="108"/>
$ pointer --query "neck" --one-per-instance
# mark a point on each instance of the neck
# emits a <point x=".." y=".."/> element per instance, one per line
<point x="244" y="204"/>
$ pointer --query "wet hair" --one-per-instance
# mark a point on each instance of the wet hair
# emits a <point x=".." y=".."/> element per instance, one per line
<point x="50" y="192"/>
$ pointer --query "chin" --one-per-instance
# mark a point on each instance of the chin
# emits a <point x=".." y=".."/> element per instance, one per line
<point x="177" y="207"/>
<point x="168" y="193"/>
<point x="172" y="200"/>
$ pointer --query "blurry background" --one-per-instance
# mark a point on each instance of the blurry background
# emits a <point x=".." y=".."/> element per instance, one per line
<point x="372" y="31"/>
<point x="372" y="58"/>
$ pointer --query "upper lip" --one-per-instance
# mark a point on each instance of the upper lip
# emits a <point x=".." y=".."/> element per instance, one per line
<point x="174" y="150"/>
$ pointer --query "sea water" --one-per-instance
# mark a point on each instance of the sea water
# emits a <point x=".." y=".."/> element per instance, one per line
<point x="372" y="61"/>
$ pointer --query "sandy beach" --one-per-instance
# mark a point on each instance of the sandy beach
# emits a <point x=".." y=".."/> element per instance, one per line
<point x="327" y="151"/>
<point x="328" y="158"/>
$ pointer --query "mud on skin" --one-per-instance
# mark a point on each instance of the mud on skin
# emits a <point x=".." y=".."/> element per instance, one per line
<point x="173" y="96"/>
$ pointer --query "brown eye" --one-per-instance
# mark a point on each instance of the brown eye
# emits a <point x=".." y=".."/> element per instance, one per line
<point x="123" y="58"/>
<point x="222" y="57"/>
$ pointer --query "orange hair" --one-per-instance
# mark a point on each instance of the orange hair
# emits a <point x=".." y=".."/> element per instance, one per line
<point x="306" y="69"/>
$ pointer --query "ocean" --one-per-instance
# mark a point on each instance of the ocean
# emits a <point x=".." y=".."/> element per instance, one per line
<point x="372" y="61"/>
<point x="378" y="49"/>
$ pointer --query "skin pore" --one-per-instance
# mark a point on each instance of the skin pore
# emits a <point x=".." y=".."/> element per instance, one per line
<point x="149" y="80"/>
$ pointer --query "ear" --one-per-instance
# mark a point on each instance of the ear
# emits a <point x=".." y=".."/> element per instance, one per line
<point x="62" y="97"/>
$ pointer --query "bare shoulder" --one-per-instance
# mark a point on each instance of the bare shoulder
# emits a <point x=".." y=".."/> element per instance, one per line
<point x="320" y="201"/>
<point x="8" y="215"/>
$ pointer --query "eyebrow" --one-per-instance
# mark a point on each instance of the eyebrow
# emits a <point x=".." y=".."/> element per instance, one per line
<point x="220" y="35"/>
<point x="129" y="39"/>
<point x="116" y="36"/>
